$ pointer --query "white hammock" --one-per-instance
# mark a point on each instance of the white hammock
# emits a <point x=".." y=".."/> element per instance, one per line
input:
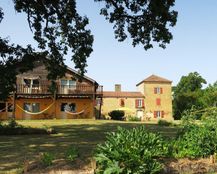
<point x="75" y="113"/>
<point x="35" y="113"/>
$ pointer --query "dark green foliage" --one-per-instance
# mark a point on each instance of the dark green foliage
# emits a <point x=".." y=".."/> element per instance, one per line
<point x="164" y="123"/>
<point x="131" y="151"/>
<point x="195" y="139"/>
<point x="143" y="21"/>
<point x="210" y="96"/>
<point x="72" y="154"/>
<point x="116" y="115"/>
<point x="187" y="94"/>
<point x="47" y="159"/>
<point x="13" y="124"/>
<point x="198" y="141"/>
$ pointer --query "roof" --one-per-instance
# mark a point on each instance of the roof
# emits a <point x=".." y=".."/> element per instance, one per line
<point x="154" y="78"/>
<point x="78" y="74"/>
<point x="122" y="94"/>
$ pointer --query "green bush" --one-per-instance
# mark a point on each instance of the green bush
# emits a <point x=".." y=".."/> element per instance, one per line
<point x="164" y="123"/>
<point x="12" y="123"/>
<point x="72" y="153"/>
<point x="133" y="118"/>
<point x="131" y="151"/>
<point x="116" y="115"/>
<point x="196" y="141"/>
<point x="47" y="159"/>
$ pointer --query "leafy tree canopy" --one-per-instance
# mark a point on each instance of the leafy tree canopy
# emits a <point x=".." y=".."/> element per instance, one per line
<point x="192" y="82"/>
<point x="59" y="29"/>
<point x="188" y="93"/>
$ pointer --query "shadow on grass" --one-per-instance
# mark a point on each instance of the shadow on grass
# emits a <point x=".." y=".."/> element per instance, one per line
<point x="14" y="150"/>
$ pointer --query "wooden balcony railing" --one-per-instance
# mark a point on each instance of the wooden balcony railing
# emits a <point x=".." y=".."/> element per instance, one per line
<point x="61" y="89"/>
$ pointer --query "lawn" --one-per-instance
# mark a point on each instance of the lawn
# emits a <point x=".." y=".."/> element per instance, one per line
<point x="83" y="134"/>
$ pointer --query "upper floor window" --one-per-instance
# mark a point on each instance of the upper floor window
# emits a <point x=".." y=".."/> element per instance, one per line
<point x="158" y="90"/>
<point x="31" y="83"/>
<point x="68" y="83"/>
<point x="139" y="103"/>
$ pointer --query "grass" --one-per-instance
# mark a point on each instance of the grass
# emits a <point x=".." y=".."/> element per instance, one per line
<point x="83" y="134"/>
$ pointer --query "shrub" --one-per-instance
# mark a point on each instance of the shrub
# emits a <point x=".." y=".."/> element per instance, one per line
<point x="196" y="141"/>
<point x="116" y="115"/>
<point x="131" y="151"/>
<point x="47" y="159"/>
<point x="72" y="153"/>
<point x="133" y="118"/>
<point x="13" y="124"/>
<point x="164" y="123"/>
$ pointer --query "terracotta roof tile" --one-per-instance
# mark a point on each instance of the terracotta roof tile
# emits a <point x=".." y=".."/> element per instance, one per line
<point x="122" y="94"/>
<point x="154" y="78"/>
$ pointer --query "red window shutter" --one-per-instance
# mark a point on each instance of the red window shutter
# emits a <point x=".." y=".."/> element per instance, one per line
<point x="136" y="103"/>
<point x="158" y="101"/>
<point x="155" y="90"/>
<point x="161" y="90"/>
<point x="155" y="114"/>
<point x="143" y="103"/>
<point x="162" y="114"/>
<point x="122" y="102"/>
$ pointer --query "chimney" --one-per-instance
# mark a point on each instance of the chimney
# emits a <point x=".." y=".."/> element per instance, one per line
<point x="117" y="87"/>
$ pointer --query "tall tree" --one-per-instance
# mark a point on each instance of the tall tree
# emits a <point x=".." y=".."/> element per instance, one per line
<point x="59" y="29"/>
<point x="210" y="96"/>
<point x="188" y="93"/>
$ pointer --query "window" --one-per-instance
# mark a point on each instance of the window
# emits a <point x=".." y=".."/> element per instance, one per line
<point x="31" y="83"/>
<point x="68" y="107"/>
<point x="2" y="107"/>
<point x="32" y="107"/>
<point x="122" y="102"/>
<point x="158" y="101"/>
<point x="68" y="83"/>
<point x="158" y="90"/>
<point x="139" y="103"/>
<point x="158" y="114"/>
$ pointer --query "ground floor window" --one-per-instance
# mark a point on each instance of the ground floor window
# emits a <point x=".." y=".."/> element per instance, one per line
<point x="2" y="107"/>
<point x="31" y="107"/>
<point x="159" y="114"/>
<point x="68" y="107"/>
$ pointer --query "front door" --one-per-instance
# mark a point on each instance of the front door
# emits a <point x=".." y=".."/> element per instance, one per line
<point x="139" y="114"/>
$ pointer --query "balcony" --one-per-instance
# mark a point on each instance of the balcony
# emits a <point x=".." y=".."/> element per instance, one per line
<point x="61" y="90"/>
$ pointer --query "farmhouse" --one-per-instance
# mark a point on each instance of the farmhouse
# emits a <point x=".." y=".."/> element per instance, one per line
<point x="74" y="96"/>
<point x="151" y="101"/>
<point x="82" y="97"/>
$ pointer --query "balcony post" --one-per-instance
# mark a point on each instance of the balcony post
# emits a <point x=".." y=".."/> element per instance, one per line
<point x="14" y="105"/>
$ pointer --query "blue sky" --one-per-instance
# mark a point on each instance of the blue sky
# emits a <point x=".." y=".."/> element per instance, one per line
<point x="193" y="47"/>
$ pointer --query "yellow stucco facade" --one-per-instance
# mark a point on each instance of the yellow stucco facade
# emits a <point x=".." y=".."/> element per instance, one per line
<point x="151" y="104"/>
<point x="113" y="103"/>
<point x="156" y="93"/>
